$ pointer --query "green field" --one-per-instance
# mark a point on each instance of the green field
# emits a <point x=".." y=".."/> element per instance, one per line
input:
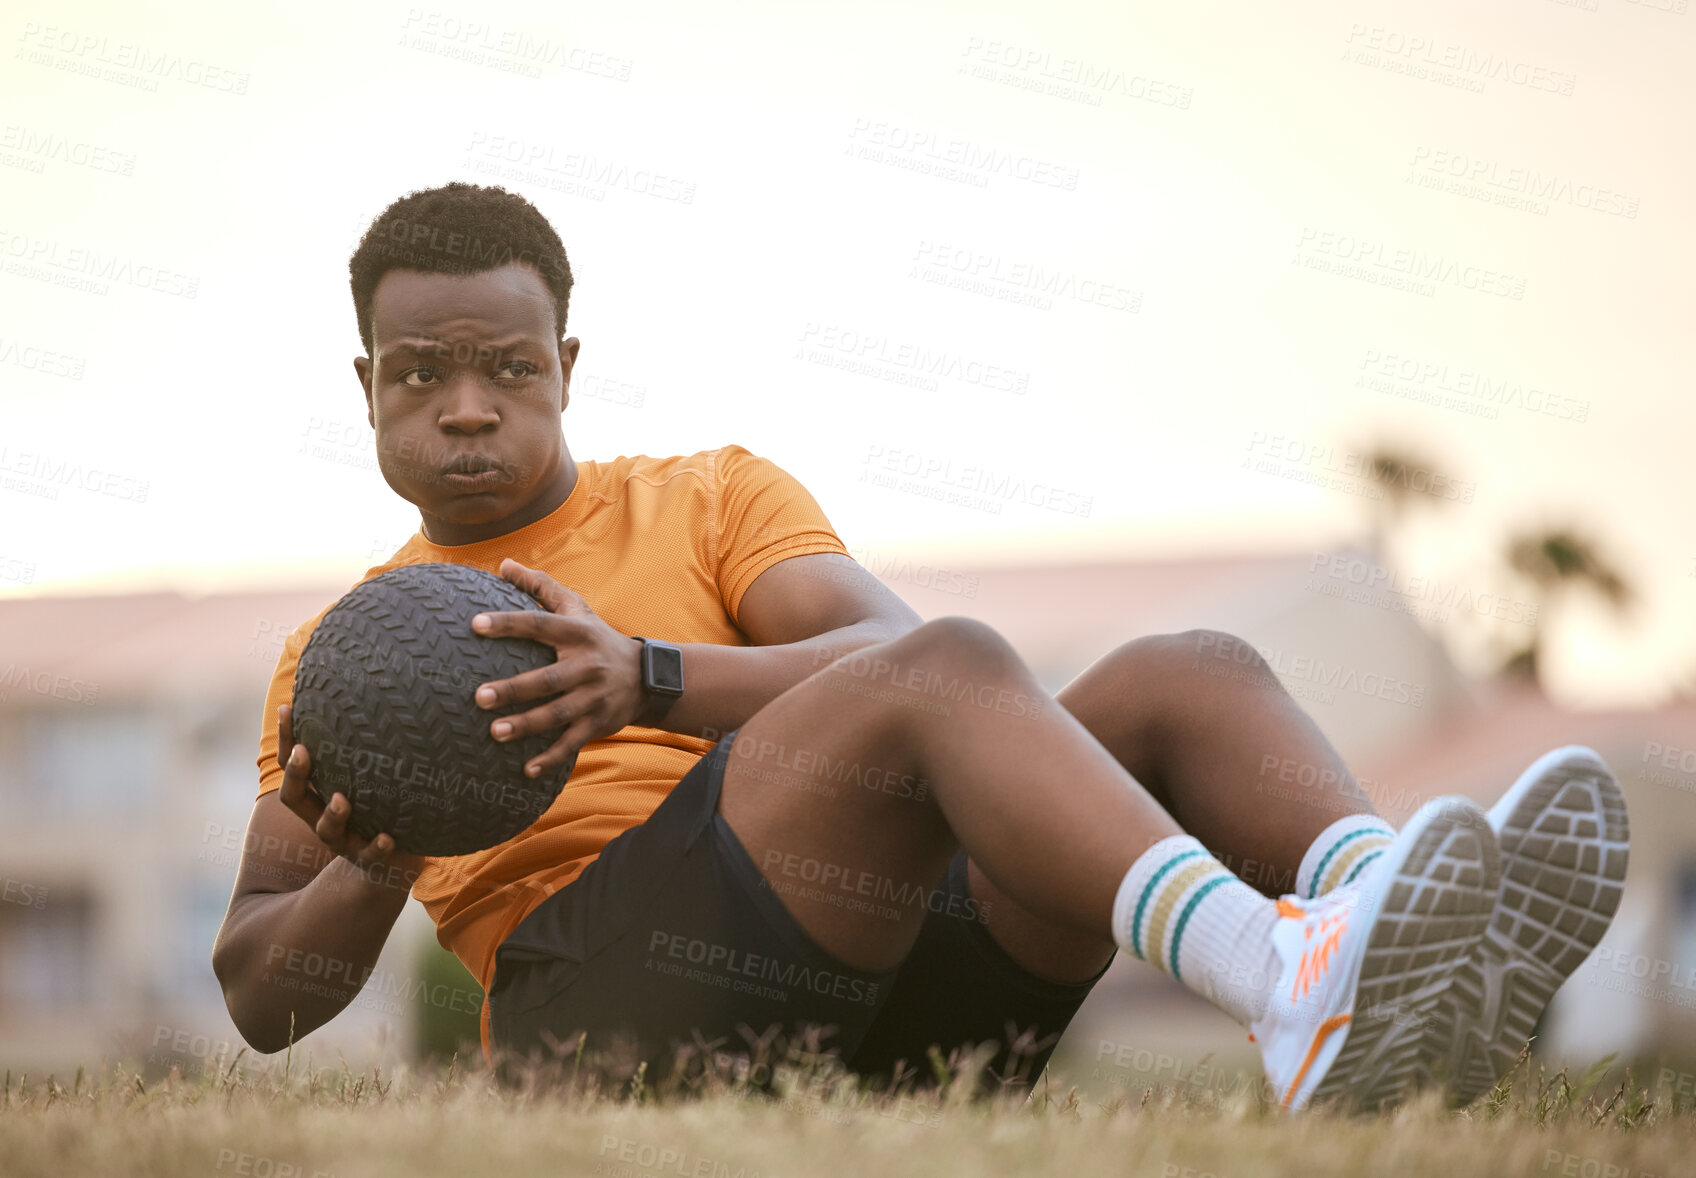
<point x="294" y="1120"/>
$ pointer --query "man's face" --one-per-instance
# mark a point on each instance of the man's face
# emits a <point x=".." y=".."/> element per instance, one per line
<point x="465" y="388"/>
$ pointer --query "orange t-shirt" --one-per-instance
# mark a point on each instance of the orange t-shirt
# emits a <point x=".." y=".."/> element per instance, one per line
<point x="662" y="547"/>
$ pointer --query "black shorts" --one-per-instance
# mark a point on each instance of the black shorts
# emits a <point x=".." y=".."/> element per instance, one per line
<point x="671" y="940"/>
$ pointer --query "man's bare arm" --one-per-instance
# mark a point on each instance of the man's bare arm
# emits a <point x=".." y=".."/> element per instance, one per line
<point x="801" y="614"/>
<point x="296" y="894"/>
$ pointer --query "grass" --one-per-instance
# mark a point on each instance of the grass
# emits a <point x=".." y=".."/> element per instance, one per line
<point x="294" y="1120"/>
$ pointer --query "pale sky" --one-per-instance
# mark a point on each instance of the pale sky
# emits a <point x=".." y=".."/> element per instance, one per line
<point x="1144" y="258"/>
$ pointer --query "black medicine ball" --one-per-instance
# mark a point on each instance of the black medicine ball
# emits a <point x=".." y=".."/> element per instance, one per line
<point x="384" y="702"/>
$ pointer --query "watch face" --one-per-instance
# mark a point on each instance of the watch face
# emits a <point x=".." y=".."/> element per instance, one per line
<point x="665" y="668"/>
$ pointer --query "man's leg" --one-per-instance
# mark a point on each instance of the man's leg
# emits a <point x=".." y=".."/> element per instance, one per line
<point x="1207" y="747"/>
<point x="1203" y="724"/>
<point x="1062" y="829"/>
<point x="950" y="712"/>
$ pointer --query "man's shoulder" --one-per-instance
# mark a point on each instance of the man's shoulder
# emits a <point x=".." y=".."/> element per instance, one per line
<point x="705" y="465"/>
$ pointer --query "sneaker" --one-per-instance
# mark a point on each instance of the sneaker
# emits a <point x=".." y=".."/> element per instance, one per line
<point x="1362" y="966"/>
<point x="1564" y="842"/>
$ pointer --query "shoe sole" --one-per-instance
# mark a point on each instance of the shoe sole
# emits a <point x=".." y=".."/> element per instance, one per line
<point x="1428" y="911"/>
<point x="1565" y="842"/>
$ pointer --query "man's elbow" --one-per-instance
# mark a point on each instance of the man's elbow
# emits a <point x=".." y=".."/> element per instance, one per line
<point x="257" y="1031"/>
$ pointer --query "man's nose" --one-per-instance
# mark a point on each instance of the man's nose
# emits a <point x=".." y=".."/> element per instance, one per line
<point x="467" y="406"/>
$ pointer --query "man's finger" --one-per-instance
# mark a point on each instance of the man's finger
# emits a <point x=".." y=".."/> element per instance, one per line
<point x="548" y="717"/>
<point x="285" y="734"/>
<point x="332" y="823"/>
<point x="555" y="598"/>
<point x="557" y="753"/>
<point x="540" y="683"/>
<point x="553" y="629"/>
<point x="297" y="792"/>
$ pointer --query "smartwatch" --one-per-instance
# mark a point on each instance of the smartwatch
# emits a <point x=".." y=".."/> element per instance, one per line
<point x="662" y="679"/>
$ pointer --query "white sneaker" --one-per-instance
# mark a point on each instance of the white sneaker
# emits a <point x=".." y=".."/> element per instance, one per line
<point x="1363" y="965"/>
<point x="1564" y="841"/>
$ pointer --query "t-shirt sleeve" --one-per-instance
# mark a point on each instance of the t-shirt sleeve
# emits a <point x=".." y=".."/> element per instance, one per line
<point x="280" y="692"/>
<point x="764" y="515"/>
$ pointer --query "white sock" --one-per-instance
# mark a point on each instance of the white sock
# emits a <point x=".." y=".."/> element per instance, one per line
<point x="1341" y="852"/>
<point x="1184" y="912"/>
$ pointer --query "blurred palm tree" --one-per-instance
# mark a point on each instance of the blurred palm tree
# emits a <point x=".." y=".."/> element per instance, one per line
<point x="1406" y="479"/>
<point x="1559" y="562"/>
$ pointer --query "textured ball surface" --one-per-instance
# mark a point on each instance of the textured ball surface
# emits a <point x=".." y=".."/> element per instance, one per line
<point x="383" y="702"/>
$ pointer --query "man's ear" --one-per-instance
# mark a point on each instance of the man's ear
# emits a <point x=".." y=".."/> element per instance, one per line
<point x="568" y="349"/>
<point x="362" y="365"/>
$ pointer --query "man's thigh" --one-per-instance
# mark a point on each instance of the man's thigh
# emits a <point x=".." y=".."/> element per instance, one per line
<point x="672" y="941"/>
<point x="830" y="804"/>
<point x="960" y="989"/>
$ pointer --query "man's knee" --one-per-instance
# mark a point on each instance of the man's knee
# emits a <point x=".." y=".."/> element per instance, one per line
<point x="1166" y="656"/>
<point x="1213" y="652"/>
<point x="958" y="644"/>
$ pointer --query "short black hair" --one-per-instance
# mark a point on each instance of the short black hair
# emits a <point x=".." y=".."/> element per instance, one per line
<point x="458" y="229"/>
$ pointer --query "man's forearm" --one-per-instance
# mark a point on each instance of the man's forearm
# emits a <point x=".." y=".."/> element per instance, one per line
<point x="306" y="952"/>
<point x="724" y="685"/>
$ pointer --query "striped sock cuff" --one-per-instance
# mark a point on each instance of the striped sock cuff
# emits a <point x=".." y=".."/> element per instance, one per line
<point x="1159" y="895"/>
<point x="1341" y="852"/>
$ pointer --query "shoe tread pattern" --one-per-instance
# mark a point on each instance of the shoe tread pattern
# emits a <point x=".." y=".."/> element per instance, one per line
<point x="1565" y="847"/>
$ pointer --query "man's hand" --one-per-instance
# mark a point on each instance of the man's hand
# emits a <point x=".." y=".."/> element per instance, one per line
<point x="330" y="821"/>
<point x="597" y="680"/>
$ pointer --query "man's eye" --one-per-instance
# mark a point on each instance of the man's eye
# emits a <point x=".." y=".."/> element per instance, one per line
<point x="519" y="369"/>
<point x="417" y="377"/>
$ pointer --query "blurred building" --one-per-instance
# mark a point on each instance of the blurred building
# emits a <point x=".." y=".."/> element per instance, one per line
<point x="128" y="730"/>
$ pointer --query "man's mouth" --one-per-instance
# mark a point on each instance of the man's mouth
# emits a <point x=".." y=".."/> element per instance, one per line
<point x="473" y="471"/>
